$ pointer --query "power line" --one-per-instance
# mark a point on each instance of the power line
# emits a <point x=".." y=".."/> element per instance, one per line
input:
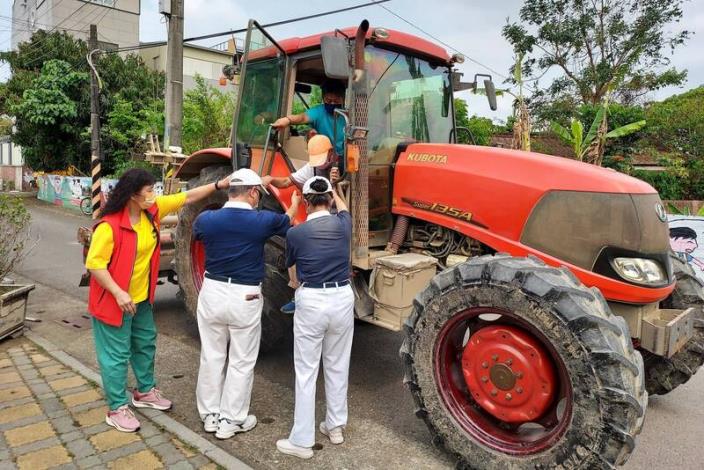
<point x="413" y="25"/>
<point x="293" y="20"/>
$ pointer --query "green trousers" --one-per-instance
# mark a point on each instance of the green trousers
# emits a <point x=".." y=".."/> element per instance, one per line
<point x="134" y="342"/>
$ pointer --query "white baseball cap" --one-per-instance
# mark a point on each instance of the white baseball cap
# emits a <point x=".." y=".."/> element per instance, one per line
<point x="308" y="190"/>
<point x="246" y="177"/>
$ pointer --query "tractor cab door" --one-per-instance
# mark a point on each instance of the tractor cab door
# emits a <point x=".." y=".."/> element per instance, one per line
<point x="262" y="78"/>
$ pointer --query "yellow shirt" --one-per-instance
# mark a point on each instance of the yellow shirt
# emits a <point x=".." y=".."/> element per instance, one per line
<point x="102" y="244"/>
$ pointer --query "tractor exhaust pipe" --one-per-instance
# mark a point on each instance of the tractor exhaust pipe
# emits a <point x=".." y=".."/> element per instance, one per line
<point x="359" y="40"/>
<point x="360" y="179"/>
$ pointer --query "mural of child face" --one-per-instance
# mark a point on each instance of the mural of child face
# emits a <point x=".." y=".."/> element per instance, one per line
<point x="683" y="245"/>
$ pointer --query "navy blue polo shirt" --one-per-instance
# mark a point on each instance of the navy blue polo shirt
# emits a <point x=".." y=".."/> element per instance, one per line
<point x="320" y="248"/>
<point x="234" y="239"/>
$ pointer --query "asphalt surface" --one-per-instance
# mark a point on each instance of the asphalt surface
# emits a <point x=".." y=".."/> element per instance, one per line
<point x="383" y="432"/>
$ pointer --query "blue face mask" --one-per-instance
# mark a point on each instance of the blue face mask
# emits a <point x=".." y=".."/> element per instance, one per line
<point x="330" y="107"/>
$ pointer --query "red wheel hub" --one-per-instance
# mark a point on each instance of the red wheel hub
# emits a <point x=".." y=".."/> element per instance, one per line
<point x="509" y="373"/>
<point x="197" y="263"/>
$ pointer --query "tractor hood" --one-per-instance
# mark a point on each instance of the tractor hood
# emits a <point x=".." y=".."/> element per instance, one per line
<point x="563" y="211"/>
<point x="497" y="188"/>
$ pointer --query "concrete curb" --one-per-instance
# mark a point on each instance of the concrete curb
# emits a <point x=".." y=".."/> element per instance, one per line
<point x="205" y="447"/>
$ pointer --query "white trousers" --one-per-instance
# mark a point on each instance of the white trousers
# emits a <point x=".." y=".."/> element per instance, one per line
<point x="225" y="377"/>
<point x="323" y="325"/>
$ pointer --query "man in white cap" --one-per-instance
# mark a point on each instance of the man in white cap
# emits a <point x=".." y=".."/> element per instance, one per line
<point x="324" y="320"/>
<point x="321" y="162"/>
<point x="230" y="301"/>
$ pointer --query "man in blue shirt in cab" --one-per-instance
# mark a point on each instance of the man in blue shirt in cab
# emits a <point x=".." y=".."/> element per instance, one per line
<point x="230" y="301"/>
<point x="322" y="117"/>
<point x="324" y="322"/>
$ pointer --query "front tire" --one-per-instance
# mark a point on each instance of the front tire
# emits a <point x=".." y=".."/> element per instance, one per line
<point x="527" y="319"/>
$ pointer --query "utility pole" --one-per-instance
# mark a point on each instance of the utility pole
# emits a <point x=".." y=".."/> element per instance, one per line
<point x="95" y="150"/>
<point x="174" y="77"/>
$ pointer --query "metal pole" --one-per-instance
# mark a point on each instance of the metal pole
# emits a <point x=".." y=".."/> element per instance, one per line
<point x="94" y="125"/>
<point x="174" y="77"/>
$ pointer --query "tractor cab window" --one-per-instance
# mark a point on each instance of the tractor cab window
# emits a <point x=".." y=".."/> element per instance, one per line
<point x="409" y="99"/>
<point x="260" y="101"/>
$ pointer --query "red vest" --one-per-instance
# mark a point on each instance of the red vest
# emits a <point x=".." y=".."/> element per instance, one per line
<point x="101" y="304"/>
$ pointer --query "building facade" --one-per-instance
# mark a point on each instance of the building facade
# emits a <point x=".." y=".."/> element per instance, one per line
<point x="197" y="60"/>
<point x="11" y="165"/>
<point x="117" y="20"/>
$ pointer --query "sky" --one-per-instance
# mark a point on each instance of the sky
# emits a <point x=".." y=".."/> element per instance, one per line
<point x="472" y="27"/>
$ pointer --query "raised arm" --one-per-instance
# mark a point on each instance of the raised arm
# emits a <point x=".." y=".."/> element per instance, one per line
<point x="201" y="192"/>
<point x="293" y="119"/>
<point x="278" y="182"/>
<point x="339" y="202"/>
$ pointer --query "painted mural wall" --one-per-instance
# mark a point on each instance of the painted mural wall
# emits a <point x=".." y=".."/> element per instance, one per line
<point x="687" y="240"/>
<point x="67" y="191"/>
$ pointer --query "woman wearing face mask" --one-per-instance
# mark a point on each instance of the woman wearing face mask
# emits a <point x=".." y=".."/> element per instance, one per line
<point x="124" y="263"/>
<point x="322" y="117"/>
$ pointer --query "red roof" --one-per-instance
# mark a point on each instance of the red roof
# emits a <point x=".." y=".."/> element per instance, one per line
<point x="396" y="40"/>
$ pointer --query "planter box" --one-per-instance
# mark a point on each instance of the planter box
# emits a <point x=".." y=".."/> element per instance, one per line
<point x="13" y="308"/>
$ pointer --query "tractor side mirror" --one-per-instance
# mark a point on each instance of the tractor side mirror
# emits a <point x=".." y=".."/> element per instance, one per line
<point x="490" y="90"/>
<point x="335" y="57"/>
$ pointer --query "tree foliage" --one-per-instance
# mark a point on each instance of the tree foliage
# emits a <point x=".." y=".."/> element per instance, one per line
<point x="481" y="129"/>
<point x="49" y="92"/>
<point x="677" y="124"/>
<point x="207" y="117"/>
<point x="595" y="44"/>
<point x="47" y="116"/>
<point x="14" y="233"/>
<point x="581" y="143"/>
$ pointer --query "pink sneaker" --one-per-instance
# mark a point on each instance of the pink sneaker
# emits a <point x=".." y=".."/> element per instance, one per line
<point x="122" y="419"/>
<point x="151" y="399"/>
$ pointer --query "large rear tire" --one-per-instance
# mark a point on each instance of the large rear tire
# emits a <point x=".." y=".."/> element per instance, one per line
<point x="189" y="259"/>
<point x="662" y="374"/>
<point x="530" y="319"/>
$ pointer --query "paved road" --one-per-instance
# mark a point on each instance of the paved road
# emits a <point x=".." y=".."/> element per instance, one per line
<point x="383" y="432"/>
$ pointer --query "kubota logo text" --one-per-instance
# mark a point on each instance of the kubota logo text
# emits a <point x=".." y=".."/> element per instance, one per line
<point x="427" y="158"/>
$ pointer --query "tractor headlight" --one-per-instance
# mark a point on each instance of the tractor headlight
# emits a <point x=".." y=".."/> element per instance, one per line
<point x="639" y="270"/>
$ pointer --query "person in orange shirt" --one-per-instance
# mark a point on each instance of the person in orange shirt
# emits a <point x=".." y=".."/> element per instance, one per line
<point x="123" y="260"/>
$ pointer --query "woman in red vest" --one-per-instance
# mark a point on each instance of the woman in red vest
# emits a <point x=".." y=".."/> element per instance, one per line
<point x="124" y="263"/>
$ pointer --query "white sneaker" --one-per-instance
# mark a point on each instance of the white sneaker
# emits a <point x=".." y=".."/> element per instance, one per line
<point x="285" y="447"/>
<point x="227" y="428"/>
<point x="210" y="422"/>
<point x="334" y="434"/>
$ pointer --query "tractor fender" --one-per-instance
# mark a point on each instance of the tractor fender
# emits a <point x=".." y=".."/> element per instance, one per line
<point x="192" y="166"/>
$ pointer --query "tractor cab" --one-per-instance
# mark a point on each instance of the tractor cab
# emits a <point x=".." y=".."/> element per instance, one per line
<point x="398" y="91"/>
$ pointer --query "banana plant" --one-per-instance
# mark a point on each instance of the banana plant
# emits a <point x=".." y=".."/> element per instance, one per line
<point x="580" y="143"/>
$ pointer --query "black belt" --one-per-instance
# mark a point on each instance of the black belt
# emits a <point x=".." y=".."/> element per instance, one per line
<point x="325" y="285"/>
<point x="230" y="280"/>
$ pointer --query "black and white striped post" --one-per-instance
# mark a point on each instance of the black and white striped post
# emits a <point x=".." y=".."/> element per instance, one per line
<point x="94" y="124"/>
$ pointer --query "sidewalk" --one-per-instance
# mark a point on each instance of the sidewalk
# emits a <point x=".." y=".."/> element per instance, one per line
<point x="52" y="417"/>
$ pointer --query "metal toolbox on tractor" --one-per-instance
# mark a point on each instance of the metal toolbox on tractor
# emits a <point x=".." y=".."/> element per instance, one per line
<point x="394" y="283"/>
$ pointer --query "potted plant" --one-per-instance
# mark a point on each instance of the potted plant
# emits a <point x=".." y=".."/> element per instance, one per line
<point x="14" y="238"/>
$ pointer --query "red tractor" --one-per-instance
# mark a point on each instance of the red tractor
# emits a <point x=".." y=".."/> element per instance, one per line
<point x="538" y="295"/>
